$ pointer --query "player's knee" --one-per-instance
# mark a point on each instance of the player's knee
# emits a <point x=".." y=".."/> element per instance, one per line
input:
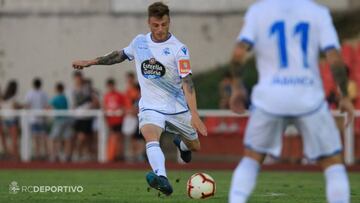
<point x="329" y="161"/>
<point x="195" y="146"/>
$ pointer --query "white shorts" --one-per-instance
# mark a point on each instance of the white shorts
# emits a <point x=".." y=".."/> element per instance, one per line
<point x="320" y="136"/>
<point x="173" y="123"/>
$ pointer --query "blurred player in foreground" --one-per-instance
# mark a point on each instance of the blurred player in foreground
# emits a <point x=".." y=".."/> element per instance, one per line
<point x="168" y="100"/>
<point x="286" y="37"/>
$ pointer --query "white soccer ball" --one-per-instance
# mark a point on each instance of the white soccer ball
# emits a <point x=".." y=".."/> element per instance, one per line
<point x="201" y="186"/>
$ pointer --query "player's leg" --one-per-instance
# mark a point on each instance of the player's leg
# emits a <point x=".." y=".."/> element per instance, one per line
<point x="186" y="146"/>
<point x="187" y="138"/>
<point x="324" y="145"/>
<point x="337" y="183"/>
<point x="155" y="155"/>
<point x="262" y="136"/>
<point x="192" y="145"/>
<point x="245" y="176"/>
<point x="151" y="126"/>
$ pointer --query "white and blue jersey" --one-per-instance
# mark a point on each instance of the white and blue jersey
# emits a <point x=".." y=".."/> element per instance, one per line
<point x="286" y="37"/>
<point x="160" y="67"/>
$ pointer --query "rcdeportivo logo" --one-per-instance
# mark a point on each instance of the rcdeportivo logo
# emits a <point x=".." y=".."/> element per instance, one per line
<point x="152" y="69"/>
<point x="13" y="187"/>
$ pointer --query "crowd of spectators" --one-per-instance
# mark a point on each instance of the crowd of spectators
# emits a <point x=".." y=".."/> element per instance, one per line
<point x="67" y="138"/>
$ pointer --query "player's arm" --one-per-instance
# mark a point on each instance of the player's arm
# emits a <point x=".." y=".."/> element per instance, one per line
<point x="190" y="96"/>
<point x="338" y="70"/>
<point x="237" y="69"/>
<point x="109" y="59"/>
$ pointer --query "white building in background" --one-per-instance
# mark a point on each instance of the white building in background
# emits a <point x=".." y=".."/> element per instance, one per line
<point x="42" y="37"/>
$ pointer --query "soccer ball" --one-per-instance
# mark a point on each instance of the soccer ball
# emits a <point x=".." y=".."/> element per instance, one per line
<point x="201" y="186"/>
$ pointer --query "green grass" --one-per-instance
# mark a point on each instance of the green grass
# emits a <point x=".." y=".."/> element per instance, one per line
<point x="130" y="187"/>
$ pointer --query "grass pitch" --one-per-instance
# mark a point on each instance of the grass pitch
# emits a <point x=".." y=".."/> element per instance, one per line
<point x="123" y="186"/>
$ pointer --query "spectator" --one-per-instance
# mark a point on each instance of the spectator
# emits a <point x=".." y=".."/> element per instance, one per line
<point x="352" y="87"/>
<point x="95" y="104"/>
<point x="82" y="100"/>
<point x="37" y="99"/>
<point x="62" y="127"/>
<point x="225" y="91"/>
<point x="114" y="102"/>
<point x="132" y="127"/>
<point x="9" y="121"/>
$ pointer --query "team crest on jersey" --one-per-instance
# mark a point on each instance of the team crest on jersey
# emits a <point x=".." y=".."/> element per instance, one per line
<point x="152" y="69"/>
<point x="184" y="66"/>
<point x="152" y="61"/>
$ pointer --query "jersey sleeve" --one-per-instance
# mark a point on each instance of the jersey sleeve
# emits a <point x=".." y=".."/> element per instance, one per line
<point x="328" y="36"/>
<point x="129" y="51"/>
<point x="183" y="61"/>
<point x="248" y="31"/>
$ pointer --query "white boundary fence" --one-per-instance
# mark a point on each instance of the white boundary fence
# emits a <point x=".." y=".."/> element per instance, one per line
<point x="25" y="142"/>
<point x="348" y="134"/>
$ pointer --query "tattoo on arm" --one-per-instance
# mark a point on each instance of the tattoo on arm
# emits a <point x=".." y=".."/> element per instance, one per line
<point x="189" y="83"/>
<point x="340" y="76"/>
<point x="112" y="58"/>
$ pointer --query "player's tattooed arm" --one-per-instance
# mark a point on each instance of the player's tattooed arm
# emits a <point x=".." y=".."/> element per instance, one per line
<point x="108" y="59"/>
<point x="190" y="96"/>
<point x="188" y="84"/>
<point x="111" y="58"/>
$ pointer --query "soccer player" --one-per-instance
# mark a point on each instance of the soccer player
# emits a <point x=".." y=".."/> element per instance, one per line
<point x="168" y="100"/>
<point x="286" y="37"/>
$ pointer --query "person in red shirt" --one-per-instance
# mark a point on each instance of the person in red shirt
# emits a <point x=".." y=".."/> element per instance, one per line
<point x="114" y="107"/>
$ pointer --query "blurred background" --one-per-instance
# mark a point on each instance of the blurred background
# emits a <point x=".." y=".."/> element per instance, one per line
<point x="49" y="113"/>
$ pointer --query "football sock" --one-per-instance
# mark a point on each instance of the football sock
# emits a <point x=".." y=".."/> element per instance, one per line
<point x="183" y="146"/>
<point x="243" y="180"/>
<point x="156" y="158"/>
<point x="337" y="184"/>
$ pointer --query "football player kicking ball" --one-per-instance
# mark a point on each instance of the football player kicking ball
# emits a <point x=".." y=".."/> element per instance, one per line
<point x="168" y="100"/>
<point x="286" y="37"/>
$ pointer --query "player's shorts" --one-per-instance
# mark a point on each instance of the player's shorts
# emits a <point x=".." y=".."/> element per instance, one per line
<point x="320" y="136"/>
<point x="174" y="123"/>
<point x="61" y="128"/>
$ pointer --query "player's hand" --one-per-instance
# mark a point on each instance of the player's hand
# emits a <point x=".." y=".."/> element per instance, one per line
<point x="197" y="123"/>
<point x="237" y="103"/>
<point x="79" y="65"/>
<point x="346" y="105"/>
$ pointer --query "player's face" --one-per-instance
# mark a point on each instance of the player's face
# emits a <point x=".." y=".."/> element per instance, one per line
<point x="159" y="27"/>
